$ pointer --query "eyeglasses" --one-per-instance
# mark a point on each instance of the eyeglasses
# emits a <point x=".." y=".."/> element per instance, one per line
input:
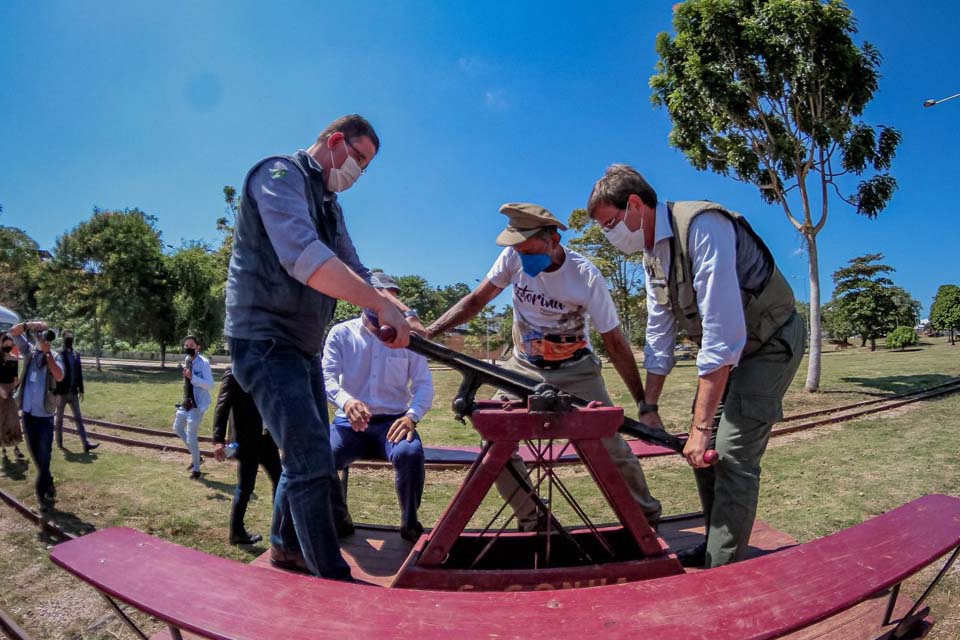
<point x="363" y="158"/>
<point x="613" y="221"/>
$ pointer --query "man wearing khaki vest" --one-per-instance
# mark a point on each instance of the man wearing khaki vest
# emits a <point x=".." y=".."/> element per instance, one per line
<point x="710" y="274"/>
<point x="557" y="293"/>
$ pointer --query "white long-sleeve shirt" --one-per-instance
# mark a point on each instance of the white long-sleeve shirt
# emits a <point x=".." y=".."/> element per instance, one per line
<point x="357" y="365"/>
<point x="713" y="251"/>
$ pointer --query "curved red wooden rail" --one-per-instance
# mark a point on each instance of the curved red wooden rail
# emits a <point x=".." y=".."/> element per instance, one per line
<point x="751" y="600"/>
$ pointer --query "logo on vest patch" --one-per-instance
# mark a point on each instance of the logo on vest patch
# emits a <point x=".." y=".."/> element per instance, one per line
<point x="277" y="173"/>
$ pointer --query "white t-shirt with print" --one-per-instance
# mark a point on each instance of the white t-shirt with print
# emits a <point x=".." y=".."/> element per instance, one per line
<point x="554" y="306"/>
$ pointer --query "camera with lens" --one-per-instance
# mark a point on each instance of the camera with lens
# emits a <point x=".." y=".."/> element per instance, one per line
<point x="48" y="335"/>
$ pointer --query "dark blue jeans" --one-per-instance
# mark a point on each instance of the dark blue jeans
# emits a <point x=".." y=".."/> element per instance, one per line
<point x="371" y="443"/>
<point x="39" y="435"/>
<point x="287" y="387"/>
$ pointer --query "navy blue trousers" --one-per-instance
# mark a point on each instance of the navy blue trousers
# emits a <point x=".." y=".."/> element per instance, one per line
<point x="372" y="444"/>
<point x="39" y="435"/>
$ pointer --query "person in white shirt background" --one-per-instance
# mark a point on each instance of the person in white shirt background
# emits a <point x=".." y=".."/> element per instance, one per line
<point x="380" y="394"/>
<point x="197" y="384"/>
<point x="556" y="293"/>
<point x="711" y="275"/>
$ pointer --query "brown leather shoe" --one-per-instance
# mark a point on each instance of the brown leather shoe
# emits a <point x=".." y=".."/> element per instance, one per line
<point x="288" y="560"/>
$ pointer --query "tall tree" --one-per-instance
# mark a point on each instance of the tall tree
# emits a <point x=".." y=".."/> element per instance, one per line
<point x="836" y="325"/>
<point x="452" y="293"/>
<point x="865" y="296"/>
<point x="108" y="271"/>
<point x="19" y="271"/>
<point x="624" y="274"/>
<point x="417" y="293"/>
<point x="198" y="300"/>
<point x="945" y="312"/>
<point x="906" y="308"/>
<point x="772" y="92"/>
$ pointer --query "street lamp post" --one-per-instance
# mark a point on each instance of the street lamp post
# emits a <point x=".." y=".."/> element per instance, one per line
<point x="931" y="102"/>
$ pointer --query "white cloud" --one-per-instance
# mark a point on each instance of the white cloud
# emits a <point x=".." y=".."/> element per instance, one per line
<point x="496" y="100"/>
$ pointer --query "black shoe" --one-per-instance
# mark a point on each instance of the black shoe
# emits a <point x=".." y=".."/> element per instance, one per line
<point x="412" y="533"/>
<point x="195" y="475"/>
<point x="190" y="466"/>
<point x="18" y="453"/>
<point x="345" y="528"/>
<point x="288" y="560"/>
<point x="87" y="448"/>
<point x="693" y="556"/>
<point x="245" y="538"/>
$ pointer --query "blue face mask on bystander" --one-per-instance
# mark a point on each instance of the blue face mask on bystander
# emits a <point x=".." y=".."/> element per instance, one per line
<point x="534" y="263"/>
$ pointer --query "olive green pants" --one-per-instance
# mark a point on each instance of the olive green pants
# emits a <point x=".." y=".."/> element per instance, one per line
<point x="753" y="402"/>
<point x="582" y="379"/>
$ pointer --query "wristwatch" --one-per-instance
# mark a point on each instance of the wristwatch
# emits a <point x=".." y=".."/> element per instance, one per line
<point x="411" y="313"/>
<point x="645" y="408"/>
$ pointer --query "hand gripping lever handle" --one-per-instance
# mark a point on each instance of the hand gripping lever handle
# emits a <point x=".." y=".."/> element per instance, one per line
<point x="485" y="373"/>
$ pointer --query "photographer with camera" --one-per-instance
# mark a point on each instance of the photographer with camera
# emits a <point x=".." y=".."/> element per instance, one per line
<point x="42" y="370"/>
<point x="197" y="384"/>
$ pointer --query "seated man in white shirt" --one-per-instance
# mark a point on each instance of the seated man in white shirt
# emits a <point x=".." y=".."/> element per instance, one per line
<point x="380" y="394"/>
<point x="555" y="290"/>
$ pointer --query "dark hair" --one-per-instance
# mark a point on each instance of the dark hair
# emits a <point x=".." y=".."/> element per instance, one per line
<point x="191" y="337"/>
<point x="617" y="185"/>
<point x="352" y="127"/>
<point x="546" y="232"/>
<point x="5" y="336"/>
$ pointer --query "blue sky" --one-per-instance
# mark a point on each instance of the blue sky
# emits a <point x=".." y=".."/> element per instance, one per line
<point x="125" y="104"/>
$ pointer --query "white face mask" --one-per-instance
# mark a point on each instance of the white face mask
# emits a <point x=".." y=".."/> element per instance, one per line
<point x="343" y="178"/>
<point x="622" y="238"/>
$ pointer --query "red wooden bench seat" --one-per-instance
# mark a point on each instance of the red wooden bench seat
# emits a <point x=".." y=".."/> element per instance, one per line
<point x="761" y="598"/>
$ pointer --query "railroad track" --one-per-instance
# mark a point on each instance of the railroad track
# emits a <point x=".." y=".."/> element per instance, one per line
<point x="789" y="424"/>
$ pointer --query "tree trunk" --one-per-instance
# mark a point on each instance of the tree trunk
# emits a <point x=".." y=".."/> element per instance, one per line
<point x="813" y="365"/>
<point x="97" y="347"/>
<point x="873" y="343"/>
<point x="163" y="355"/>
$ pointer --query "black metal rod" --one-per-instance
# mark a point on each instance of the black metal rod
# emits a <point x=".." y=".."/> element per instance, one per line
<point x="124" y="617"/>
<point x="523" y="386"/>
<point x="891" y="603"/>
<point x="916" y="605"/>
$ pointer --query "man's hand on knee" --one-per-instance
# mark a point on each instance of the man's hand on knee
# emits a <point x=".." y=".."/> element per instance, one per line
<point x="404" y="426"/>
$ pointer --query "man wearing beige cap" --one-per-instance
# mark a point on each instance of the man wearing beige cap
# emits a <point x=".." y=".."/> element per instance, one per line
<point x="555" y="291"/>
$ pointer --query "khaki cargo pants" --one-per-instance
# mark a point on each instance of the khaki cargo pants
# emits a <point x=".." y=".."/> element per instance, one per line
<point x="580" y="378"/>
<point x="753" y="402"/>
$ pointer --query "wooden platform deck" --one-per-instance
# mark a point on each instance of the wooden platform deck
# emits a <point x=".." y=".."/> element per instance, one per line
<point x="376" y="553"/>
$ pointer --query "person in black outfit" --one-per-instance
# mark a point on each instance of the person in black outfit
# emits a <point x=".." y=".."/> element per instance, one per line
<point x="254" y="447"/>
<point x="10" y="433"/>
<point x="70" y="392"/>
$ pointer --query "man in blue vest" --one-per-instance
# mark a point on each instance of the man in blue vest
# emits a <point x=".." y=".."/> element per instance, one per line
<point x="292" y="259"/>
<point x="710" y="275"/>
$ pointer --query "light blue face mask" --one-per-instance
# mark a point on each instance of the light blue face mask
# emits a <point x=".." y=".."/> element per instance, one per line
<point x="534" y="263"/>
